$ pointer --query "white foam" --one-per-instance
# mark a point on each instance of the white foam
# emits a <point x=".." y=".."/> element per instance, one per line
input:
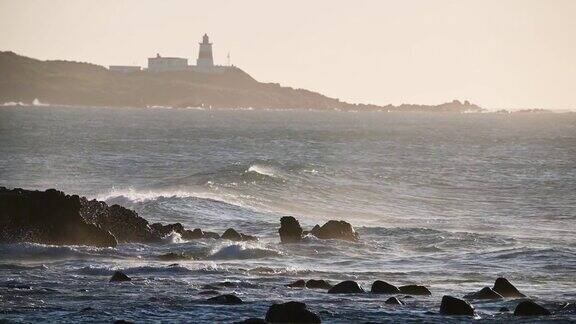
<point x="243" y="251"/>
<point x="265" y="170"/>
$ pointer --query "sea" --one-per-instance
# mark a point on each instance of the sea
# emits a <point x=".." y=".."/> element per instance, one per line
<point x="449" y="201"/>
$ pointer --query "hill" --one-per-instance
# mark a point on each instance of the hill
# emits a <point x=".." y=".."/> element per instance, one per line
<point x="24" y="79"/>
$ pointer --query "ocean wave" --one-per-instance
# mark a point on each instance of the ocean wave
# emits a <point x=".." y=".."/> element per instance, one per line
<point x="243" y="251"/>
<point x="265" y="170"/>
<point x="139" y="270"/>
<point x="42" y="251"/>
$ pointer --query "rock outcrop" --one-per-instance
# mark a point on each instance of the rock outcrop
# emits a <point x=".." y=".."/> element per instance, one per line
<point x="506" y="289"/>
<point x="291" y="312"/>
<point x="484" y="293"/>
<point x="414" y="290"/>
<point x="346" y="287"/>
<point x="530" y="308"/>
<point x="52" y="217"/>
<point x="290" y="230"/>
<point x="47" y="217"/>
<point x="382" y="287"/>
<point x="455" y="306"/>
<point x="333" y="229"/>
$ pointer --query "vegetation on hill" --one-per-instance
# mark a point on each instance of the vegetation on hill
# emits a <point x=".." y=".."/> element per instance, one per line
<point x="24" y="79"/>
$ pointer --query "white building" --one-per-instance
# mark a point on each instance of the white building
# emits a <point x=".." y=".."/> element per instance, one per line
<point x="204" y="63"/>
<point x="162" y="64"/>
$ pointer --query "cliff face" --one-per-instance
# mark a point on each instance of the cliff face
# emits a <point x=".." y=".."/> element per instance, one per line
<point x="24" y="79"/>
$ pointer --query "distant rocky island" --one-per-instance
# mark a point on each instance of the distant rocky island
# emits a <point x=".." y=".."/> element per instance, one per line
<point x="24" y="79"/>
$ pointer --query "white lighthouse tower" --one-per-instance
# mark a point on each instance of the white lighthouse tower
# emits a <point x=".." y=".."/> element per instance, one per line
<point x="205" y="59"/>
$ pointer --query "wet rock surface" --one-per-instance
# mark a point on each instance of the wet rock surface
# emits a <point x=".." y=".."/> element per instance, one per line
<point x="346" y="287"/>
<point x="506" y="289"/>
<point x="484" y="293"/>
<point x="415" y="290"/>
<point x="382" y="287"/>
<point x="455" y="306"/>
<point x="530" y="308"/>
<point x="291" y="312"/>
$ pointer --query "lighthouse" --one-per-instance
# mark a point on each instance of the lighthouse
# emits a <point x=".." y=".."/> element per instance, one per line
<point x="205" y="55"/>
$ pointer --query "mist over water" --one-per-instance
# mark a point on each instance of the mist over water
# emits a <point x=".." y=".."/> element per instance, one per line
<point x="451" y="201"/>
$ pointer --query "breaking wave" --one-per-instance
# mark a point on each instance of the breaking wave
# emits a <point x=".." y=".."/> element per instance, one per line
<point x="243" y="251"/>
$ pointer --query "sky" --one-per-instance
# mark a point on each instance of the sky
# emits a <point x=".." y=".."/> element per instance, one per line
<point x="500" y="54"/>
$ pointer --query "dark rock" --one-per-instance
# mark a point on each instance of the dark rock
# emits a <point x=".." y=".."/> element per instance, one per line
<point x="291" y="312"/>
<point x="192" y="235"/>
<point x="210" y="287"/>
<point x="318" y="284"/>
<point x="297" y="284"/>
<point x="393" y="301"/>
<point x="346" y="287"/>
<point x="232" y="235"/>
<point x="504" y="309"/>
<point x="164" y="230"/>
<point x="252" y="321"/>
<point x="506" y="289"/>
<point x="226" y="300"/>
<point x="414" y="290"/>
<point x="122" y="322"/>
<point x="123" y="223"/>
<point x="47" y="217"/>
<point x="119" y="276"/>
<point x="407" y="297"/>
<point x="455" y="306"/>
<point x="290" y="230"/>
<point x="211" y="235"/>
<point x="484" y="293"/>
<point x="246" y="237"/>
<point x="382" y="287"/>
<point x="209" y="292"/>
<point x="172" y="256"/>
<point x="336" y="230"/>
<point x="530" y="308"/>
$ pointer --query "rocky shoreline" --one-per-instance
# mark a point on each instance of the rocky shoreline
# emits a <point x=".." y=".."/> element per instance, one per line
<point x="54" y="218"/>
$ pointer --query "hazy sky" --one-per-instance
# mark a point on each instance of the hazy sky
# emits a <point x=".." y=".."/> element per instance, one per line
<point x="497" y="53"/>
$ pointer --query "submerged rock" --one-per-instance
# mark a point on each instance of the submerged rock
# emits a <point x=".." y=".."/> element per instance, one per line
<point x="211" y="235"/>
<point x="119" y="276"/>
<point x="414" y="290"/>
<point x="455" y="306"/>
<point x="291" y="312"/>
<point x="252" y="321"/>
<point x="506" y="289"/>
<point x="173" y="256"/>
<point x="300" y="283"/>
<point x="346" y="287"/>
<point x="382" y="287"/>
<point x="530" y="308"/>
<point x="227" y="299"/>
<point x="290" y="230"/>
<point x="393" y="301"/>
<point x="318" y="284"/>
<point x="484" y="293"/>
<point x="335" y="230"/>
<point x="192" y="234"/>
